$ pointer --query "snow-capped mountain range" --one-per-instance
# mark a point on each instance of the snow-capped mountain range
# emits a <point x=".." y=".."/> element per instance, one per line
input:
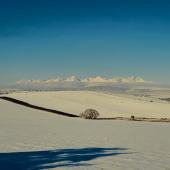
<point x="97" y="79"/>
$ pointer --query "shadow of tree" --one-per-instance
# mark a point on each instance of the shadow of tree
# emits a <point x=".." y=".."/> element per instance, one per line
<point x="54" y="158"/>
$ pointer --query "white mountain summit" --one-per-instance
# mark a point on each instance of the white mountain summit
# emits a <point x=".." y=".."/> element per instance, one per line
<point x="73" y="78"/>
<point x="30" y="81"/>
<point x="57" y="80"/>
<point x="97" y="79"/>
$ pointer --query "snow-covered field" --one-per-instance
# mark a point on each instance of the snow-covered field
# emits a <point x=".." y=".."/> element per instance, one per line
<point x="107" y="105"/>
<point x="32" y="139"/>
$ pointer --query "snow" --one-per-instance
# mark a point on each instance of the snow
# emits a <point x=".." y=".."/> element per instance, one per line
<point x="131" y="79"/>
<point x="97" y="79"/>
<point x="30" y="81"/>
<point x="59" y="79"/>
<point x="108" y="105"/>
<point x="32" y="139"/>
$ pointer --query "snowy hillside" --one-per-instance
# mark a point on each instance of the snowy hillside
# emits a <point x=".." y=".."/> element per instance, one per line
<point x="33" y="139"/>
<point x="108" y="105"/>
<point x="97" y="79"/>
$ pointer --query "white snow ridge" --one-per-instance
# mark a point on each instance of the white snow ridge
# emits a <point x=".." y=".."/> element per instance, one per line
<point x="97" y="79"/>
<point x="60" y="79"/>
<point x="30" y="81"/>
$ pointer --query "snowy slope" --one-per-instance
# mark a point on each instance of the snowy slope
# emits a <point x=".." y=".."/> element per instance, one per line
<point x="107" y="105"/>
<point x="32" y="139"/>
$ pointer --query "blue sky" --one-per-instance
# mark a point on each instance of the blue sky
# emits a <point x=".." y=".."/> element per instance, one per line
<point x="42" y="39"/>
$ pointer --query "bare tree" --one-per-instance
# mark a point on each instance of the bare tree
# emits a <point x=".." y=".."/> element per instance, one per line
<point x="89" y="114"/>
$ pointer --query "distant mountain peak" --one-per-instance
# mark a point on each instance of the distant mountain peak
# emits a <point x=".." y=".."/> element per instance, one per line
<point x="131" y="79"/>
<point x="73" y="78"/>
<point x="30" y="81"/>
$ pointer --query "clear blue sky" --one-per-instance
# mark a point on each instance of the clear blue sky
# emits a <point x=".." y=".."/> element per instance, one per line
<point x="44" y="39"/>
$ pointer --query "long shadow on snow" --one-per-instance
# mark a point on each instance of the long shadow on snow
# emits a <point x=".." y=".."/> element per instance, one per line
<point x="54" y="158"/>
